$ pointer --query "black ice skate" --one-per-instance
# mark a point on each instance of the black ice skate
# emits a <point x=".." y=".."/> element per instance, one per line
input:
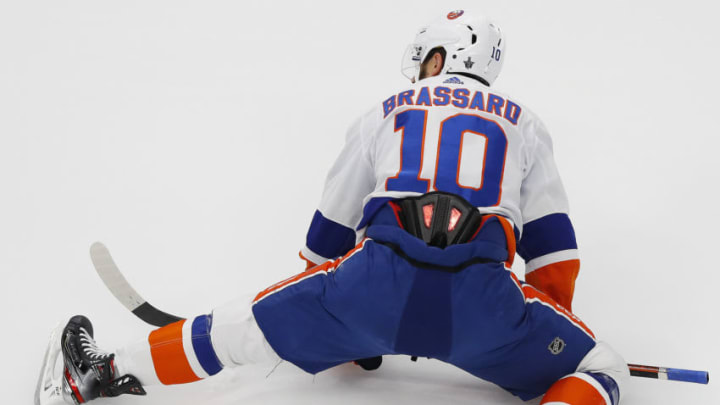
<point x="85" y="373"/>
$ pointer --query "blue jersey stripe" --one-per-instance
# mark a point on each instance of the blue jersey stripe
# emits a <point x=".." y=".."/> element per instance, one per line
<point x="549" y="234"/>
<point x="203" y="346"/>
<point x="328" y="238"/>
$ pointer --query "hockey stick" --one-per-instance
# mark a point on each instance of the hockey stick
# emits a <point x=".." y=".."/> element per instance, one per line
<point x="672" y="374"/>
<point x="123" y="291"/>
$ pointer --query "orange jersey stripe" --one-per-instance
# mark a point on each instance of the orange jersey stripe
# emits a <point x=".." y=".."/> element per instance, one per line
<point x="556" y="280"/>
<point x="166" y="348"/>
<point x="574" y="391"/>
<point x="510" y="237"/>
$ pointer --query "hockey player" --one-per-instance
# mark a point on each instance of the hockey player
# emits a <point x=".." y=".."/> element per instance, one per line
<point x="436" y="183"/>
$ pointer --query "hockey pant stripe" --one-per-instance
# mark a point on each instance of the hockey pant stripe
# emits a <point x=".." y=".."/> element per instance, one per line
<point x="324" y="268"/>
<point x="533" y="295"/>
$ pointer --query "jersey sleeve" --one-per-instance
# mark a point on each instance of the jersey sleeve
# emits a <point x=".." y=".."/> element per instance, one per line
<point x="351" y="178"/>
<point x="548" y="243"/>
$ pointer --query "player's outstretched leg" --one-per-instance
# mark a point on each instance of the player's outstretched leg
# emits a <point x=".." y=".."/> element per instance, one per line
<point x="89" y="372"/>
<point x="197" y="348"/>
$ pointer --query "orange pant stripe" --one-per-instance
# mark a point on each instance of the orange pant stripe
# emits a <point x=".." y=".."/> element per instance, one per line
<point x="323" y="268"/>
<point x="533" y="294"/>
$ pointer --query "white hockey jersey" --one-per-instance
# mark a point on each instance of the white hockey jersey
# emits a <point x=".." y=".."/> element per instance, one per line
<point x="451" y="133"/>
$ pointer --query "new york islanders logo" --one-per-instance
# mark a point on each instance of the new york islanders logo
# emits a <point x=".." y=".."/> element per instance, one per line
<point x="455" y="14"/>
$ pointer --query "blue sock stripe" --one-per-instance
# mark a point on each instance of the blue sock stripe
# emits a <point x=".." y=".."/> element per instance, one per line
<point x="609" y="385"/>
<point x="203" y="346"/>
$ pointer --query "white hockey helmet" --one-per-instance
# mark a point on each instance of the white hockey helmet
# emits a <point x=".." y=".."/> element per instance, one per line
<point x="473" y="44"/>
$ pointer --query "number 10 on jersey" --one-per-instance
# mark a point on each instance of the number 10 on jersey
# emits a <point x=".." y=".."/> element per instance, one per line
<point x="448" y="163"/>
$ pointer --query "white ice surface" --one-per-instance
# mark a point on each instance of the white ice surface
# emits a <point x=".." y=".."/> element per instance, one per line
<point x="193" y="137"/>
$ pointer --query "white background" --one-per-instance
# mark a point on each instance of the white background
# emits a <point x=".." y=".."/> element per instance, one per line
<point x="193" y="139"/>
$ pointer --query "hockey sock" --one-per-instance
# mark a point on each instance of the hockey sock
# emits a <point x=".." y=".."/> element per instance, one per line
<point x="185" y="351"/>
<point x="178" y="353"/>
<point x="182" y="351"/>
<point x="583" y="388"/>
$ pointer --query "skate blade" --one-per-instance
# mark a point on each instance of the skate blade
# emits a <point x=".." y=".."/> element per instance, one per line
<point x="50" y="383"/>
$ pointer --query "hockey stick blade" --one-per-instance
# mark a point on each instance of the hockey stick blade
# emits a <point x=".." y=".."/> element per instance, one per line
<point x="672" y="374"/>
<point x="123" y="291"/>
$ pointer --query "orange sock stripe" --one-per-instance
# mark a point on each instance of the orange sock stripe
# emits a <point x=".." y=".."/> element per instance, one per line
<point x="166" y="349"/>
<point x="574" y="391"/>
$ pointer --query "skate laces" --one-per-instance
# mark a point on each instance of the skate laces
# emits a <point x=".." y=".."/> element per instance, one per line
<point x="90" y="348"/>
